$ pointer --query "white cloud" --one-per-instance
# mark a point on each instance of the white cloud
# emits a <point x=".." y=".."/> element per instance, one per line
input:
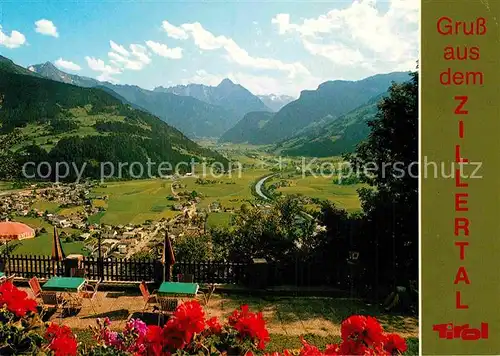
<point x="164" y="51"/>
<point x="119" y="49"/>
<point x="106" y="71"/>
<point x="174" y="31"/>
<point x="207" y="41"/>
<point x="361" y="35"/>
<point x="61" y="63"/>
<point x="136" y="58"/>
<point x="46" y="27"/>
<point x="201" y="76"/>
<point x="14" y="40"/>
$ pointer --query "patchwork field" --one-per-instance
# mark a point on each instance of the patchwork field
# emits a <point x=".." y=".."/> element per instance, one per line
<point x="134" y="202"/>
<point x="230" y="192"/>
<point x="344" y="196"/>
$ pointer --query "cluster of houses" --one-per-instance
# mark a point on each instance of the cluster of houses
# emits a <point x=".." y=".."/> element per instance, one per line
<point x="115" y="240"/>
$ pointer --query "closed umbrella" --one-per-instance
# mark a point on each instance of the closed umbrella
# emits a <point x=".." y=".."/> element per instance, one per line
<point x="168" y="257"/>
<point x="14" y="231"/>
<point x="57" y="251"/>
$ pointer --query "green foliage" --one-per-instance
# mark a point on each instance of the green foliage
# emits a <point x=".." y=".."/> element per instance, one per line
<point x="20" y="336"/>
<point x="193" y="248"/>
<point x="255" y="233"/>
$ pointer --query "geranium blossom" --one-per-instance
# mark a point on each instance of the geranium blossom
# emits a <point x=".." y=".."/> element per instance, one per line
<point x="15" y="300"/>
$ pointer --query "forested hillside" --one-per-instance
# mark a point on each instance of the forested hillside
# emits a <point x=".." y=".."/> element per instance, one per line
<point x="60" y="122"/>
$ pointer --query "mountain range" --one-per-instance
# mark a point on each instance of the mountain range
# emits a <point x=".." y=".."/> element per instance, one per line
<point x="227" y="94"/>
<point x="315" y="111"/>
<point x="61" y="122"/>
<point x="325" y="121"/>
<point x="186" y="108"/>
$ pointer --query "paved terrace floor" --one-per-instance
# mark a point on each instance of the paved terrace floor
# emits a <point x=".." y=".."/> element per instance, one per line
<point x="291" y="316"/>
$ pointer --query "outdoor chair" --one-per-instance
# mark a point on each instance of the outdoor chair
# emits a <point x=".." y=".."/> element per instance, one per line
<point x="35" y="287"/>
<point x="149" y="298"/>
<point x="89" y="292"/>
<point x="167" y="305"/>
<point x="50" y="300"/>
<point x="206" y="296"/>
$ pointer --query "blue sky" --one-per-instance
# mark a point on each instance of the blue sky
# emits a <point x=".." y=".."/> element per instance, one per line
<point x="269" y="47"/>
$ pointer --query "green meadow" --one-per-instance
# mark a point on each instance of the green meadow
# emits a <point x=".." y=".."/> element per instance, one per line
<point x="230" y="190"/>
<point x="134" y="202"/>
<point x="220" y="219"/>
<point x="344" y="196"/>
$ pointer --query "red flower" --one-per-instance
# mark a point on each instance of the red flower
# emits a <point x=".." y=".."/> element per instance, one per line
<point x="190" y="317"/>
<point x="64" y="345"/>
<point x="308" y="349"/>
<point x="395" y="344"/>
<point x="364" y="329"/>
<point x="61" y="340"/>
<point x="175" y="335"/>
<point x="55" y="330"/>
<point x="353" y="347"/>
<point x="237" y="314"/>
<point x="332" y="350"/>
<point x="16" y="300"/>
<point x="250" y="325"/>
<point x="213" y="325"/>
<point x="352" y="327"/>
<point x="154" y="340"/>
<point x="373" y="332"/>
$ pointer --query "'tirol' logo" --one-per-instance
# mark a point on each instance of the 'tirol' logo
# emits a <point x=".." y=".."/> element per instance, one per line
<point x="450" y="331"/>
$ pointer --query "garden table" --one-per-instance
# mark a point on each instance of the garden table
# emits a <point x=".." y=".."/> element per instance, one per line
<point x="170" y="293"/>
<point x="178" y="290"/>
<point x="66" y="285"/>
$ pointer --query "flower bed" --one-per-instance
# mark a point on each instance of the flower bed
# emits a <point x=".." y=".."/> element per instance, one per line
<point x="187" y="332"/>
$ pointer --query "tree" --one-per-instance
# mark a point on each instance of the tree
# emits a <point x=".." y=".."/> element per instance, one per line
<point x="391" y="203"/>
<point x="192" y="248"/>
<point x="9" y="167"/>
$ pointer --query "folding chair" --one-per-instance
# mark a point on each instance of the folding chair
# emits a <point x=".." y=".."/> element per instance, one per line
<point x="50" y="300"/>
<point x="147" y="297"/>
<point x="89" y="292"/>
<point x="35" y="287"/>
<point x="167" y="306"/>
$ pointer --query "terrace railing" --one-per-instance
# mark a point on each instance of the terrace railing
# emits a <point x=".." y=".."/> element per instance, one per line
<point x="123" y="270"/>
<point x="256" y="274"/>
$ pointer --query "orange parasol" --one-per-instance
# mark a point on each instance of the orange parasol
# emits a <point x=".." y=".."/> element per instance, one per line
<point x="14" y="231"/>
<point x="10" y="231"/>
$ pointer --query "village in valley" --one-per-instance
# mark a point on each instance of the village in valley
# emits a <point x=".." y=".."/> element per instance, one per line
<point x="72" y="208"/>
